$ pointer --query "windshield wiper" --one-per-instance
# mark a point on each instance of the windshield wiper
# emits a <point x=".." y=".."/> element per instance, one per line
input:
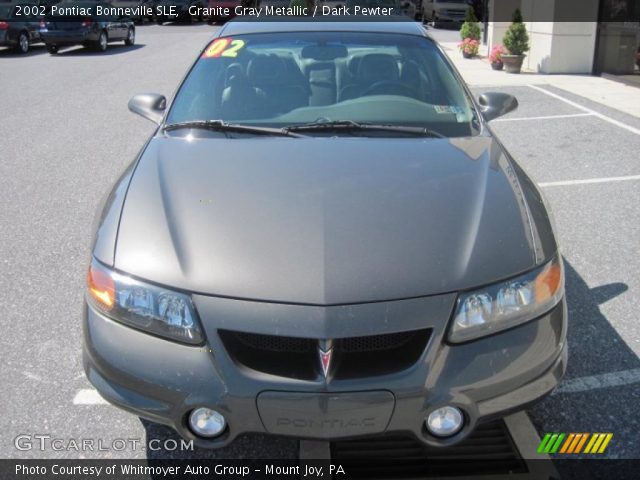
<point x="221" y="126"/>
<point x="350" y="125"/>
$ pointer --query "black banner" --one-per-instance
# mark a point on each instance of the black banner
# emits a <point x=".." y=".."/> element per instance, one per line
<point x="619" y="11"/>
<point x="201" y="469"/>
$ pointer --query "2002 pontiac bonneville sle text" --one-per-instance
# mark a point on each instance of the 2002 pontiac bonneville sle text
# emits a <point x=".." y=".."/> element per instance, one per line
<point x="324" y="239"/>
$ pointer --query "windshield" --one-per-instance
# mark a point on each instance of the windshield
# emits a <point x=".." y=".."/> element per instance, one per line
<point x="287" y="79"/>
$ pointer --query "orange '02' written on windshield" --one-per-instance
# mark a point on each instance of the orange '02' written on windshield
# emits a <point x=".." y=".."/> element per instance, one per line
<point x="223" y="47"/>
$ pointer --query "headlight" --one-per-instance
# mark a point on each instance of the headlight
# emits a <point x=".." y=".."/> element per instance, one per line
<point x="146" y="307"/>
<point x="507" y="304"/>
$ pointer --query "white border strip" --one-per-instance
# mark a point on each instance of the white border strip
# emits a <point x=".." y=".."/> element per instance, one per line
<point x="604" y="380"/>
<point x="588" y="181"/>
<point x="88" y="396"/>
<point x="588" y="110"/>
<point x="549" y="117"/>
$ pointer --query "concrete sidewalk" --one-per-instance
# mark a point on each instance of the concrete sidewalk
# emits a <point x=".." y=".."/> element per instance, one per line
<point x="477" y="72"/>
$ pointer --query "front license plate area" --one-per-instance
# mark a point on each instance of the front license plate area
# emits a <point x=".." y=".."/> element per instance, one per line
<point x="325" y="415"/>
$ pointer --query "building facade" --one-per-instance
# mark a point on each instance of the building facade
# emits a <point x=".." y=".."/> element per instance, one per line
<point x="573" y="36"/>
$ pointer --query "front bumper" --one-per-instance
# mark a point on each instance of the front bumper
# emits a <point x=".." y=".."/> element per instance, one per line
<point x="163" y="381"/>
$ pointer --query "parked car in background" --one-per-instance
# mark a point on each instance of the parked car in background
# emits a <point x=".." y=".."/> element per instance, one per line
<point x="400" y="7"/>
<point x="409" y="8"/>
<point x="274" y="3"/>
<point x="91" y="31"/>
<point x="47" y="4"/>
<point x="19" y="26"/>
<point x="393" y="4"/>
<point x="137" y="8"/>
<point x="182" y="10"/>
<point x="230" y="6"/>
<point x="151" y="14"/>
<point x="440" y="12"/>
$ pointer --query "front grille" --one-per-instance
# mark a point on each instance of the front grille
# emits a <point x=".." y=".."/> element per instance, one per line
<point x="275" y="343"/>
<point x="374" y="343"/>
<point x="296" y="357"/>
<point x="489" y="450"/>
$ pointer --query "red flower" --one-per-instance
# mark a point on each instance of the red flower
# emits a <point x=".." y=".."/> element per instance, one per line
<point x="469" y="46"/>
<point x="496" y="54"/>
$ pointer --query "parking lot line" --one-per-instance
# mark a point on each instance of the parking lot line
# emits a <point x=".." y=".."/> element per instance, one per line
<point x="588" y="181"/>
<point x="588" y="110"/>
<point x="604" y="380"/>
<point x="547" y="117"/>
<point x="88" y="396"/>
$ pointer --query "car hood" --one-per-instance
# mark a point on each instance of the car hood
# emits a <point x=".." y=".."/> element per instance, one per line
<point x="325" y="221"/>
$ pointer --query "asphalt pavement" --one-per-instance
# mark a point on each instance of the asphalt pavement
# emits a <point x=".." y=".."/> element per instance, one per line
<point x="66" y="136"/>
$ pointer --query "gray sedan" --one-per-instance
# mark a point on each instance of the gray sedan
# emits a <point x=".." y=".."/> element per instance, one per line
<point x="324" y="239"/>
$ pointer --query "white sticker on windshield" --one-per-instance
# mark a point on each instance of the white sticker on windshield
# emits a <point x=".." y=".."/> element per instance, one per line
<point x="450" y="109"/>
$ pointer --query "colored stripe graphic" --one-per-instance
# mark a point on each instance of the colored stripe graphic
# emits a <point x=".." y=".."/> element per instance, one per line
<point x="606" y="441"/>
<point x="567" y="443"/>
<point x="582" y="442"/>
<point x="600" y="437"/>
<point x="574" y="443"/>
<point x="543" y="443"/>
<point x="552" y="440"/>
<point x="556" y="445"/>
<point x="576" y="439"/>
<point x="590" y="444"/>
<point x="596" y="447"/>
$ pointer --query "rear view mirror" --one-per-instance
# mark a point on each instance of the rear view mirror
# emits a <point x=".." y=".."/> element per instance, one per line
<point x="149" y="105"/>
<point x="495" y="104"/>
<point x="324" y="52"/>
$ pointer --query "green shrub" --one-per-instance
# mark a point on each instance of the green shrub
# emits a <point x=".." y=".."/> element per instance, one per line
<point x="516" y="38"/>
<point x="470" y="28"/>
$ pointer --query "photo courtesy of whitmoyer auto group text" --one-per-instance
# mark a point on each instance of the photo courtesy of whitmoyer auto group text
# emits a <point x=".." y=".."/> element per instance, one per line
<point x="320" y="239"/>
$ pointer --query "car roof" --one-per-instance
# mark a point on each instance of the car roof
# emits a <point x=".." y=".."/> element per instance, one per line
<point x="330" y="24"/>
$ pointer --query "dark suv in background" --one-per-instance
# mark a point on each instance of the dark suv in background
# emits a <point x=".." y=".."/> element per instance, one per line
<point x="19" y="25"/>
<point x="445" y="12"/>
<point x="182" y="9"/>
<point x="91" y="31"/>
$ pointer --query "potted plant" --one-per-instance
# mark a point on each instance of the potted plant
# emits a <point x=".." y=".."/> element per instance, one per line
<point x="495" y="57"/>
<point x="470" y="28"/>
<point x="469" y="47"/>
<point x="516" y="40"/>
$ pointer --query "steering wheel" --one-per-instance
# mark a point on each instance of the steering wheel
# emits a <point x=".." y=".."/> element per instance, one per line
<point x="391" y="87"/>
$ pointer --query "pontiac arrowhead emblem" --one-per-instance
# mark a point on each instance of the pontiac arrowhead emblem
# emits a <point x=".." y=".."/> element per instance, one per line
<point x="325" y="350"/>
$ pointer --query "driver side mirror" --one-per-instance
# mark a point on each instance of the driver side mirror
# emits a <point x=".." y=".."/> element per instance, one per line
<point x="496" y="104"/>
<point x="149" y="105"/>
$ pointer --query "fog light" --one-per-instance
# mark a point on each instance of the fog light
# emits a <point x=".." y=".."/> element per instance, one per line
<point x="206" y="422"/>
<point x="445" y="421"/>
